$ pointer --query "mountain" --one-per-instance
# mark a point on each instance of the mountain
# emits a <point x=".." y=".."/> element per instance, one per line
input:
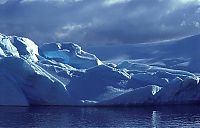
<point x="64" y="74"/>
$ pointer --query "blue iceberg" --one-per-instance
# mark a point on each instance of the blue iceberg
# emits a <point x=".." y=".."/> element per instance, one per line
<point x="64" y="74"/>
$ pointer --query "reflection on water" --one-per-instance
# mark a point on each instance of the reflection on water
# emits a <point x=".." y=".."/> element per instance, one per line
<point x="172" y="116"/>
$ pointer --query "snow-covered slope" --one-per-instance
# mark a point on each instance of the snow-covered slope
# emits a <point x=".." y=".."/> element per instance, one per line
<point x="63" y="74"/>
<point x="180" y="54"/>
<point x="18" y="47"/>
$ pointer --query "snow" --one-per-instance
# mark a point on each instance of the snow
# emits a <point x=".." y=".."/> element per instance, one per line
<point x="18" y="46"/>
<point x="2" y="53"/>
<point x="179" y="54"/>
<point x="25" y="47"/>
<point x="8" y="49"/>
<point x="64" y="74"/>
<point x="155" y="89"/>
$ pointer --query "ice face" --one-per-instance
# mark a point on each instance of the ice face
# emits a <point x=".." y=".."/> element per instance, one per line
<point x="69" y="53"/>
<point x="64" y="74"/>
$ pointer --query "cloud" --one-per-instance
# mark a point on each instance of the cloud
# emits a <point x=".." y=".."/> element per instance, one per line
<point x="101" y="21"/>
<point x="188" y="1"/>
<point x="113" y="2"/>
<point x="24" y="1"/>
<point x="3" y="1"/>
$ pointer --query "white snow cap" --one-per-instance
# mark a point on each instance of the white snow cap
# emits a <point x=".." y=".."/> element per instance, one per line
<point x="18" y="46"/>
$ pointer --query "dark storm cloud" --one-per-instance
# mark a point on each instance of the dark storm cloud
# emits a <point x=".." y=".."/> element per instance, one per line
<point x="100" y="21"/>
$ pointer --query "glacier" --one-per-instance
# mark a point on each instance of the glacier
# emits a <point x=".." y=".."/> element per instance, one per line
<point x="64" y="74"/>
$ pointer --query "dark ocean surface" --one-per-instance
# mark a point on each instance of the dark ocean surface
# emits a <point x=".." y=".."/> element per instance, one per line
<point x="60" y="117"/>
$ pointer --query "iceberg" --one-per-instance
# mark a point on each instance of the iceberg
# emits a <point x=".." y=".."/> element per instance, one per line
<point x="64" y="74"/>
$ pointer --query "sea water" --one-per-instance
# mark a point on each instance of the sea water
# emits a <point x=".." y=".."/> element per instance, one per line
<point x="62" y="117"/>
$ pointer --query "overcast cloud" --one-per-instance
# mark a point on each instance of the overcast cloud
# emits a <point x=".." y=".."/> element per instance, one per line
<point x="100" y="21"/>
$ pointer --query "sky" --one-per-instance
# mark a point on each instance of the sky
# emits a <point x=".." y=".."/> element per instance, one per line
<point x="100" y="22"/>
